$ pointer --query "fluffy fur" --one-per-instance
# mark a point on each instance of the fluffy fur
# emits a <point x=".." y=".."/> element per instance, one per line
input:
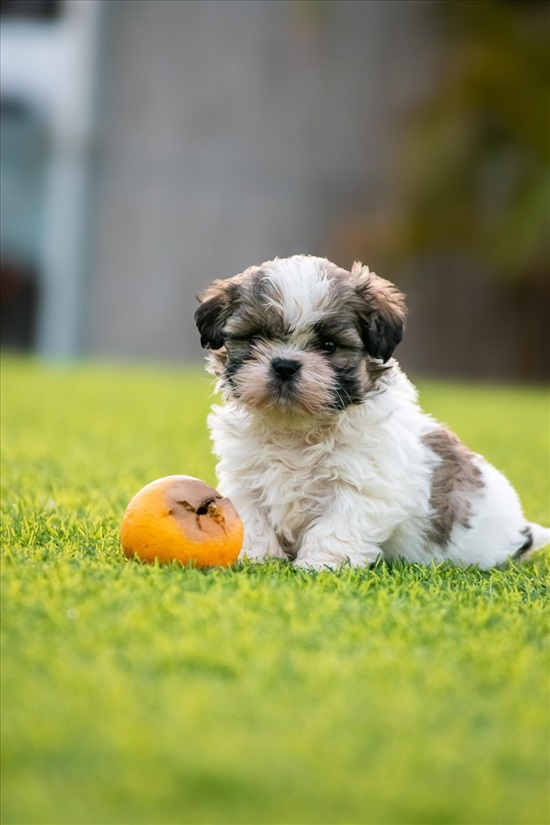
<point x="322" y="446"/>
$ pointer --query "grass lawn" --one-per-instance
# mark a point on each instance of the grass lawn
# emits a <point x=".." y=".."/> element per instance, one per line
<point x="135" y="694"/>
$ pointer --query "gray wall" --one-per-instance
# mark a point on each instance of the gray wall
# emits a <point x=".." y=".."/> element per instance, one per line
<point x="231" y="132"/>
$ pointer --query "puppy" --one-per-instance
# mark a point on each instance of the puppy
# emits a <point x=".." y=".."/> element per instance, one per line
<point x="322" y="446"/>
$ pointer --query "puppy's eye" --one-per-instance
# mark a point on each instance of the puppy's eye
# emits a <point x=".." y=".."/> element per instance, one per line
<point x="328" y="346"/>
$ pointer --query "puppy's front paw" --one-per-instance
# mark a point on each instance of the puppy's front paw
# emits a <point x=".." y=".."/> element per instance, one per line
<point x="329" y="556"/>
<point x="316" y="564"/>
<point x="260" y="551"/>
<point x="249" y="555"/>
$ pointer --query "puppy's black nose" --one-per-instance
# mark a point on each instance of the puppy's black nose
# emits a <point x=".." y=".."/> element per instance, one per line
<point x="284" y="368"/>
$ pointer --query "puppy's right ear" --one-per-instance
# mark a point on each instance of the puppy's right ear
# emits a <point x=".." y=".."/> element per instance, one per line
<point x="217" y="304"/>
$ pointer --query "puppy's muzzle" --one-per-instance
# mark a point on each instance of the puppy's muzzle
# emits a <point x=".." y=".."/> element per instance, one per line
<point x="284" y="368"/>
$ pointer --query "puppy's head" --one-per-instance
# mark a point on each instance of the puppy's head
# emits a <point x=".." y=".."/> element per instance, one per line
<point x="300" y="334"/>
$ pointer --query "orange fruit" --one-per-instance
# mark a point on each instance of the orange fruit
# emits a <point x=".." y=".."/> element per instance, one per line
<point x="181" y="518"/>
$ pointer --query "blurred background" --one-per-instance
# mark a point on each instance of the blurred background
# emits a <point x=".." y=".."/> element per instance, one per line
<point x="150" y="146"/>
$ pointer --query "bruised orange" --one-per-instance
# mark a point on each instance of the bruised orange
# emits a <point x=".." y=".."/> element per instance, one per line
<point x="183" y="519"/>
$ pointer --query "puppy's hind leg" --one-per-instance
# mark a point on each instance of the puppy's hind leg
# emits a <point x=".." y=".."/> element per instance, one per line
<point x="536" y="537"/>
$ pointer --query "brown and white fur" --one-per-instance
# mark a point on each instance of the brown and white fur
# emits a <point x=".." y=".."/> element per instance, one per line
<point x="322" y="446"/>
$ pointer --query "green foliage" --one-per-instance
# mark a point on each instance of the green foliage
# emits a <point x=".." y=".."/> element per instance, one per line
<point x="477" y="153"/>
<point x="141" y="694"/>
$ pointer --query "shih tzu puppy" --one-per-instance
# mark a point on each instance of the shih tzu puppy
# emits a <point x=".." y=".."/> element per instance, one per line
<point x="322" y="446"/>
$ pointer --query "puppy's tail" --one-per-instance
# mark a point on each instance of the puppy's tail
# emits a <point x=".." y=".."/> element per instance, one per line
<point x="536" y="537"/>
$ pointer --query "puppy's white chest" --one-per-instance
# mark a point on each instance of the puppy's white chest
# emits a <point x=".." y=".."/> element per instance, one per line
<point x="284" y="480"/>
<point x="294" y="492"/>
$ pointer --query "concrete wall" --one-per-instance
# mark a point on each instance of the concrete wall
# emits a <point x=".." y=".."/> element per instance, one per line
<point x="231" y="132"/>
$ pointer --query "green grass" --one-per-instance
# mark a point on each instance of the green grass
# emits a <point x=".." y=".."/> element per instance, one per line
<point x="135" y="694"/>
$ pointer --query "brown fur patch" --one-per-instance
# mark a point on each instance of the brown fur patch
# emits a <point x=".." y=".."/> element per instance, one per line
<point x="218" y="302"/>
<point x="454" y="480"/>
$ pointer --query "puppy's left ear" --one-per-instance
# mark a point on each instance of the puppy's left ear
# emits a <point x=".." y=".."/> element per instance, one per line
<point x="217" y="304"/>
<point x="381" y="310"/>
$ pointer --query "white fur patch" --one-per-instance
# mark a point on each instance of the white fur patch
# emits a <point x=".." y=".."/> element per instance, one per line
<point x="303" y="288"/>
